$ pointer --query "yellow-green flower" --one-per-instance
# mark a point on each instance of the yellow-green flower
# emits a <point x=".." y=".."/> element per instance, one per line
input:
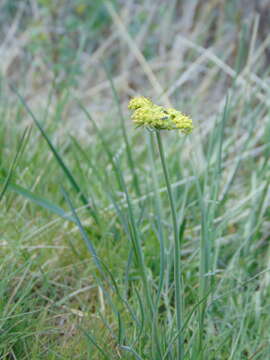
<point x="181" y="121"/>
<point x="139" y="102"/>
<point x="152" y="116"/>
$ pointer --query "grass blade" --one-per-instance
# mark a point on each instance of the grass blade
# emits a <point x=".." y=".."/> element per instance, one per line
<point x="39" y="201"/>
<point x="13" y="164"/>
<point x="57" y="156"/>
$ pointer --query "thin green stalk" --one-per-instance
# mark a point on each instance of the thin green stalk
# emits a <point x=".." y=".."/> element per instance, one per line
<point x="177" y="264"/>
<point x="158" y="206"/>
<point x="158" y="211"/>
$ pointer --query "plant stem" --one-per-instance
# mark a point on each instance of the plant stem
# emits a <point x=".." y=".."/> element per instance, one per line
<point x="177" y="264"/>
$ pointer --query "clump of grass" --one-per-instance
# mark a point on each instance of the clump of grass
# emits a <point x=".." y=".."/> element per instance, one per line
<point x="88" y="246"/>
<point x="123" y="303"/>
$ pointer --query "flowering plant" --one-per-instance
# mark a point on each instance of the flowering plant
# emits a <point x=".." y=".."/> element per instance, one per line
<point x="153" y="116"/>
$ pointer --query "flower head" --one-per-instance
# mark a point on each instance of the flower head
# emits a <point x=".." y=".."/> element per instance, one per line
<point x="139" y="102"/>
<point x="181" y="121"/>
<point x="152" y="116"/>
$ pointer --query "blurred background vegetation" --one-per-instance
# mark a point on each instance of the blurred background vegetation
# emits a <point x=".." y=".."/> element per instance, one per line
<point x="64" y="42"/>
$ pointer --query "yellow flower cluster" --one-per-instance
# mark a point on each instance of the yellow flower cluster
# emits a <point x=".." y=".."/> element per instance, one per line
<point x="152" y="116"/>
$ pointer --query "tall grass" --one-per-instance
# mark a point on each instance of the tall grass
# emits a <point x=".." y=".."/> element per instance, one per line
<point x="116" y="244"/>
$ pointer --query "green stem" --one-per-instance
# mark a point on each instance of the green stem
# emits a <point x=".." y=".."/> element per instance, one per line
<point x="177" y="264"/>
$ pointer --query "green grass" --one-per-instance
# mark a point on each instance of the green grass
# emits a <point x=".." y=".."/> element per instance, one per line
<point x="89" y="237"/>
